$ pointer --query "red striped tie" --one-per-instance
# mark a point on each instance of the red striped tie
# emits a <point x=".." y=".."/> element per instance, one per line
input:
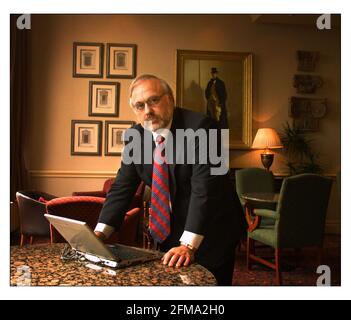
<point x="159" y="223"/>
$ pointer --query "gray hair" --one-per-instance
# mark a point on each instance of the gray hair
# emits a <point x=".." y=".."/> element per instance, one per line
<point x="143" y="77"/>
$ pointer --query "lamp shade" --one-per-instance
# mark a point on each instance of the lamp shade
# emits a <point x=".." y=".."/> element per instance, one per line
<point x="266" y="138"/>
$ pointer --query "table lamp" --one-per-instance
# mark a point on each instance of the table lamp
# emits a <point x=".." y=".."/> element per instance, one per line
<point x="266" y="138"/>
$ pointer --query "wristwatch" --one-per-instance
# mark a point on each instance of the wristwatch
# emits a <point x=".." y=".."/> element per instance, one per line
<point x="188" y="245"/>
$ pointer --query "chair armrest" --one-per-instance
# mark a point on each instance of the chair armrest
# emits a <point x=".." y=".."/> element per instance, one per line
<point x="128" y="233"/>
<point x="99" y="194"/>
<point x="133" y="212"/>
<point x="253" y="216"/>
<point x="266" y="213"/>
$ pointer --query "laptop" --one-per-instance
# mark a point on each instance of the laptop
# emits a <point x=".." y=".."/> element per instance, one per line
<point x="84" y="241"/>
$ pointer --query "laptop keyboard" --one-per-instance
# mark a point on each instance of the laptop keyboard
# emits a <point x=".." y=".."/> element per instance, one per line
<point x="126" y="253"/>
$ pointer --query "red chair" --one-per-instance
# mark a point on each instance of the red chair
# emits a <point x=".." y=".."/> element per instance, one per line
<point x="137" y="202"/>
<point x="88" y="209"/>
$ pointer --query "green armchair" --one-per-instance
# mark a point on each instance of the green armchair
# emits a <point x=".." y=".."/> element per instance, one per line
<point x="250" y="180"/>
<point x="299" y="219"/>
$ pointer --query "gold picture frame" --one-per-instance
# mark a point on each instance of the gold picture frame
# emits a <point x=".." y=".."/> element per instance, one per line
<point x="235" y="70"/>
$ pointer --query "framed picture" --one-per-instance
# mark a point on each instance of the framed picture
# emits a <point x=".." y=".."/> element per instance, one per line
<point x="121" y="60"/>
<point x="218" y="84"/>
<point x="86" y="138"/>
<point x="114" y="131"/>
<point x="306" y="124"/>
<point x="88" y="59"/>
<point x="103" y="98"/>
<point x="301" y="107"/>
<point x="306" y="112"/>
<point x="307" y="60"/>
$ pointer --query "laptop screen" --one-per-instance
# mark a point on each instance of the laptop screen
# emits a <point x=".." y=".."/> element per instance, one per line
<point x="80" y="237"/>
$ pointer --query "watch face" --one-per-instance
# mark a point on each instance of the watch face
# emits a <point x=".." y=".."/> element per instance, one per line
<point x="318" y="110"/>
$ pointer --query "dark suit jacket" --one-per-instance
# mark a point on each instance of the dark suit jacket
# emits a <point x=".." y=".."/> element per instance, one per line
<point x="222" y="96"/>
<point x="220" y="90"/>
<point x="201" y="203"/>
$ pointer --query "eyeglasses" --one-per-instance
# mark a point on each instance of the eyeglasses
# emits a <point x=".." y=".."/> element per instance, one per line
<point x="152" y="101"/>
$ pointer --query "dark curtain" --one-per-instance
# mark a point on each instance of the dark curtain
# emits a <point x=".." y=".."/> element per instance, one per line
<point x="19" y="48"/>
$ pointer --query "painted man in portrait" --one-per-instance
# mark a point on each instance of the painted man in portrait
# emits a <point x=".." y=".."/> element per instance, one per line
<point x="216" y="96"/>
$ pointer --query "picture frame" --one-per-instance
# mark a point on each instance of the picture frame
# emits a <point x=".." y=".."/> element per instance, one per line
<point x="301" y="107"/>
<point x="104" y="98"/>
<point x="194" y="70"/>
<point x="307" y="60"/>
<point x="306" y="112"/>
<point x="86" y="137"/>
<point x="121" y="60"/>
<point x="306" y="124"/>
<point x="114" y="131"/>
<point x="306" y="83"/>
<point x="88" y="59"/>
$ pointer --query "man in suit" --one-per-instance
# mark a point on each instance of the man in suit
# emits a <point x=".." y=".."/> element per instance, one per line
<point x="216" y="96"/>
<point x="206" y="218"/>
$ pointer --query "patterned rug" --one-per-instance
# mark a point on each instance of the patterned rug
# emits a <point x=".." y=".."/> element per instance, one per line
<point x="304" y="273"/>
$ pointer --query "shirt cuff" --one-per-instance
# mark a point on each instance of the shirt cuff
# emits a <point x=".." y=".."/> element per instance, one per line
<point x="191" y="238"/>
<point x="105" y="229"/>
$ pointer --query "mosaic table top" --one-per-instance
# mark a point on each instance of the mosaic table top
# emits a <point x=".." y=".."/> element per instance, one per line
<point x="41" y="265"/>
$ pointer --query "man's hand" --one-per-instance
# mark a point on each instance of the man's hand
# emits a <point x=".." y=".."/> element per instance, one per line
<point x="178" y="256"/>
<point x="100" y="235"/>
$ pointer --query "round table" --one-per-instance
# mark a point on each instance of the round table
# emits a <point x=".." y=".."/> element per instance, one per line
<point x="41" y="265"/>
<point x="261" y="197"/>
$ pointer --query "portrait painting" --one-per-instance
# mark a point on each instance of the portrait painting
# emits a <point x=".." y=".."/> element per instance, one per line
<point x="218" y="84"/>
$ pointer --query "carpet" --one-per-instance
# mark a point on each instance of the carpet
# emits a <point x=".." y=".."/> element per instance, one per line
<point x="302" y="274"/>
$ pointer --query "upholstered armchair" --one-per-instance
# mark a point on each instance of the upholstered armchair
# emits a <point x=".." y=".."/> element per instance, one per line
<point x="137" y="202"/>
<point x="84" y="208"/>
<point x="31" y="210"/>
<point x="251" y="180"/>
<point x="254" y="180"/>
<point x="299" y="220"/>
